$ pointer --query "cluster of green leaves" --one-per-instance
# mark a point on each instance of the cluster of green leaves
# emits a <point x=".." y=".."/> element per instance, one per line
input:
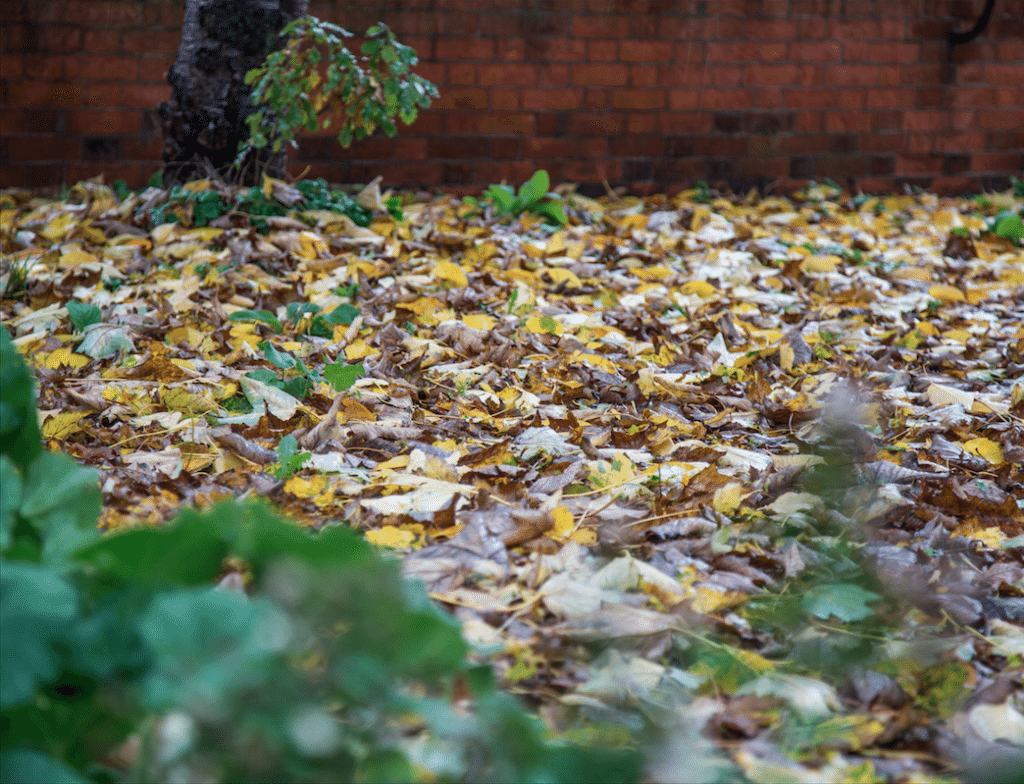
<point x="533" y="197"/>
<point x="1007" y="224"/>
<point x="319" y="671"/>
<point x="196" y="208"/>
<point x="292" y="89"/>
<point x="295" y="377"/>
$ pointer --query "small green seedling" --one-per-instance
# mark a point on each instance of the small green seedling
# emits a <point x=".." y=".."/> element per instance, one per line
<point x="509" y="205"/>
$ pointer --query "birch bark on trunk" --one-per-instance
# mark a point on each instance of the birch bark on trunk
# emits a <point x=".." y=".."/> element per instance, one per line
<point x="204" y="121"/>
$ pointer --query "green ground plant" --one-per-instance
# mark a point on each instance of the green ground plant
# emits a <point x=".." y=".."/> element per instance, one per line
<point x="533" y="197"/>
<point x="124" y="659"/>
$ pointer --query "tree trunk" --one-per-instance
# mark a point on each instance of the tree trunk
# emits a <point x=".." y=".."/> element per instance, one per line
<point x="204" y="121"/>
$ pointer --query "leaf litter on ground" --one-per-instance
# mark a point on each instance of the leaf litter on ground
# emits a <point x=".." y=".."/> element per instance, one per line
<point x="749" y="466"/>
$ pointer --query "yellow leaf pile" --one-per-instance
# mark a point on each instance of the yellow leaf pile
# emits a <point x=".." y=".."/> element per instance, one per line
<point x="651" y="429"/>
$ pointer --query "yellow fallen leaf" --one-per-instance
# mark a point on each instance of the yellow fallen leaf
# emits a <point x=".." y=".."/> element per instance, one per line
<point x="453" y="273"/>
<point x="76" y="256"/>
<point x="701" y="288"/>
<point x="727" y="499"/>
<point x="358" y="349"/>
<point x="945" y="293"/>
<point x="63" y="425"/>
<point x="479" y="321"/>
<point x="564" y="523"/>
<point x="560" y="275"/>
<point x="544" y="325"/>
<point x="390" y="536"/>
<point x="64" y="356"/>
<point x="986" y="448"/>
<point x="816" y="263"/>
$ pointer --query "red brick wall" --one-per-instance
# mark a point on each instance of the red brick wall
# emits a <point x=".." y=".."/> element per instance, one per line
<point x="652" y="94"/>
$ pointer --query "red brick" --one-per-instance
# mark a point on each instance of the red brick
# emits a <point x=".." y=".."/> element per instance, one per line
<point x="593" y="171"/>
<point x="642" y="123"/>
<point x="853" y="74"/>
<point x="151" y="41"/>
<point x="894" y="52"/>
<point x="814" y="27"/>
<point x="470" y="98"/>
<point x="925" y="163"/>
<point x="725" y="76"/>
<point x="772" y="53"/>
<point x="969" y="72"/>
<point x="12" y="65"/>
<point x="596" y="99"/>
<point x="889" y="98"/>
<point x="548" y="147"/>
<point x="1011" y="50"/>
<point x="509" y="50"/>
<point x="810" y="75"/>
<point x="803" y="145"/>
<point x="809" y="122"/>
<point x="552" y="98"/>
<point x="923" y="74"/>
<point x="26" y="93"/>
<point x="13" y="121"/>
<point x="103" y="66"/>
<point x="926" y="120"/>
<point x="638" y="99"/>
<point x="1005" y="73"/>
<point x="410" y="149"/>
<point x="507" y="124"/>
<point x="732" y="51"/>
<point x="58" y="39"/>
<point x="461" y="73"/>
<point x="1001" y="119"/>
<point x="507" y="74"/>
<point x="42" y="67"/>
<point x="855" y="52"/>
<point x="506" y="147"/>
<point x="814" y="51"/>
<point x="643" y="75"/>
<point x="684" y="123"/>
<point x="506" y="100"/>
<point x="103" y="122"/>
<point x="554" y="75"/>
<point x="764" y="146"/>
<point x="724" y="98"/>
<point x="876" y="142"/>
<point x="602" y="51"/>
<point x="41" y="148"/>
<point x="645" y="51"/>
<point x="691" y="52"/>
<point x="164" y="15"/>
<point x="593" y="26"/>
<point x="421" y="174"/>
<point x="462" y="48"/>
<point x="773" y="75"/>
<point x="593" y="123"/>
<point x="846" y="122"/>
<point x="592" y="147"/>
<point x="603" y="75"/>
<point x="111" y="94"/>
<point x="102" y="40"/>
<point x="101" y="12"/>
<point x="948" y="186"/>
<point x="769" y="98"/>
<point x="803" y="98"/>
<point x="140" y="149"/>
<point x="720" y="145"/>
<point x="996" y="161"/>
<point x="853" y="29"/>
